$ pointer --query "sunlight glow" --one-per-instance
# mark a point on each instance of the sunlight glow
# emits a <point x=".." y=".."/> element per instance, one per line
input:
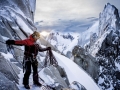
<point x="44" y="33"/>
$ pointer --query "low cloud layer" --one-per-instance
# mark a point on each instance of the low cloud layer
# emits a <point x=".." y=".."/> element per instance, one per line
<point x="66" y="25"/>
<point x="69" y="14"/>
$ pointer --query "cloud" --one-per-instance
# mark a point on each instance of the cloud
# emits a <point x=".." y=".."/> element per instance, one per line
<point x="66" y="25"/>
<point x="64" y="9"/>
<point x="69" y="14"/>
<point x="70" y="9"/>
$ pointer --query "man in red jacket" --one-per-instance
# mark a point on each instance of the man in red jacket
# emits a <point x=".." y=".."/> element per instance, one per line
<point x="30" y="53"/>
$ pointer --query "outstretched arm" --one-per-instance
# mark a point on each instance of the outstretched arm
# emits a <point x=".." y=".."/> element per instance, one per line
<point x="23" y="42"/>
<point x="18" y="42"/>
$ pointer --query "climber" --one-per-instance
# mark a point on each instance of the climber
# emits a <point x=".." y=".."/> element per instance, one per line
<point x="30" y="53"/>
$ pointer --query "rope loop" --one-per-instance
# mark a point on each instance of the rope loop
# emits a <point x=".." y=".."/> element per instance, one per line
<point x="50" y="59"/>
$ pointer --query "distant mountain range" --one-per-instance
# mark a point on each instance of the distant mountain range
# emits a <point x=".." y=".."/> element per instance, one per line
<point x="63" y="41"/>
<point x="101" y="40"/>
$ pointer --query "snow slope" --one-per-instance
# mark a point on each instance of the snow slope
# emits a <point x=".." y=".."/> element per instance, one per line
<point x="73" y="71"/>
<point x="85" y="36"/>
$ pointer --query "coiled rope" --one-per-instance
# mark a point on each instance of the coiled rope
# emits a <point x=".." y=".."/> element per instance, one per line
<point x="50" y="59"/>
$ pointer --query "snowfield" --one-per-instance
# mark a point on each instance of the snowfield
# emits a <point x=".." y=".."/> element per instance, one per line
<point x="73" y="71"/>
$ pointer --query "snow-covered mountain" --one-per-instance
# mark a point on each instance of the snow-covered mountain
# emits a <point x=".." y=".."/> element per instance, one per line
<point x="64" y="42"/>
<point x="106" y="47"/>
<point x="108" y="21"/>
<point x="17" y="22"/>
<point x="102" y="41"/>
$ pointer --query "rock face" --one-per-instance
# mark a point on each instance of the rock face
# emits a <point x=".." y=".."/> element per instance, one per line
<point x="63" y="74"/>
<point x="86" y="61"/>
<point x="17" y="22"/>
<point x="108" y="19"/>
<point x="16" y="17"/>
<point x="12" y="14"/>
<point x="69" y="54"/>
<point x="55" y="75"/>
<point x="6" y="84"/>
<point x="109" y="61"/>
<point x="106" y="48"/>
<point x="27" y="7"/>
<point x="3" y="47"/>
<point x="109" y="52"/>
<point x="93" y="38"/>
<point x="8" y="74"/>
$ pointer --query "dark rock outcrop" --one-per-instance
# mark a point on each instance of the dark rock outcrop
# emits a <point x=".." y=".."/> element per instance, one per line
<point x="86" y="61"/>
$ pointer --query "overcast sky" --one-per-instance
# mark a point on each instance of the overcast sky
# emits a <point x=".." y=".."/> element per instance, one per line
<point x="69" y="14"/>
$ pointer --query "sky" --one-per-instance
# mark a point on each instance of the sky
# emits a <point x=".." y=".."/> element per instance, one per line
<point x="69" y="15"/>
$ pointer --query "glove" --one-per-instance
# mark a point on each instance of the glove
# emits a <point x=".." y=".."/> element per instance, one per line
<point x="10" y="42"/>
<point x="48" y="48"/>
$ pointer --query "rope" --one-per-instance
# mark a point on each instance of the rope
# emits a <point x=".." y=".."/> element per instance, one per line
<point x="50" y="59"/>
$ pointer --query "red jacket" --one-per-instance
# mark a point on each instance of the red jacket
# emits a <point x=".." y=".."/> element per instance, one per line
<point x="27" y="42"/>
<point x="31" y="48"/>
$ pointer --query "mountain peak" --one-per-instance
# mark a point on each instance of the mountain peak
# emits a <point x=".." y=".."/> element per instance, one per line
<point x="110" y="7"/>
<point x="109" y="19"/>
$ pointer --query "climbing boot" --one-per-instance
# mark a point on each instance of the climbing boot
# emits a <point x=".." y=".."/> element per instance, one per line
<point x="37" y="84"/>
<point x="27" y="86"/>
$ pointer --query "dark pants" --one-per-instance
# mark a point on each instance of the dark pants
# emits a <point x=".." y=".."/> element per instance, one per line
<point x="28" y="65"/>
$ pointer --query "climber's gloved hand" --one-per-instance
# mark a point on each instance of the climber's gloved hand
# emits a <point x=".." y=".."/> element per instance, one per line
<point x="48" y="48"/>
<point x="10" y="42"/>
